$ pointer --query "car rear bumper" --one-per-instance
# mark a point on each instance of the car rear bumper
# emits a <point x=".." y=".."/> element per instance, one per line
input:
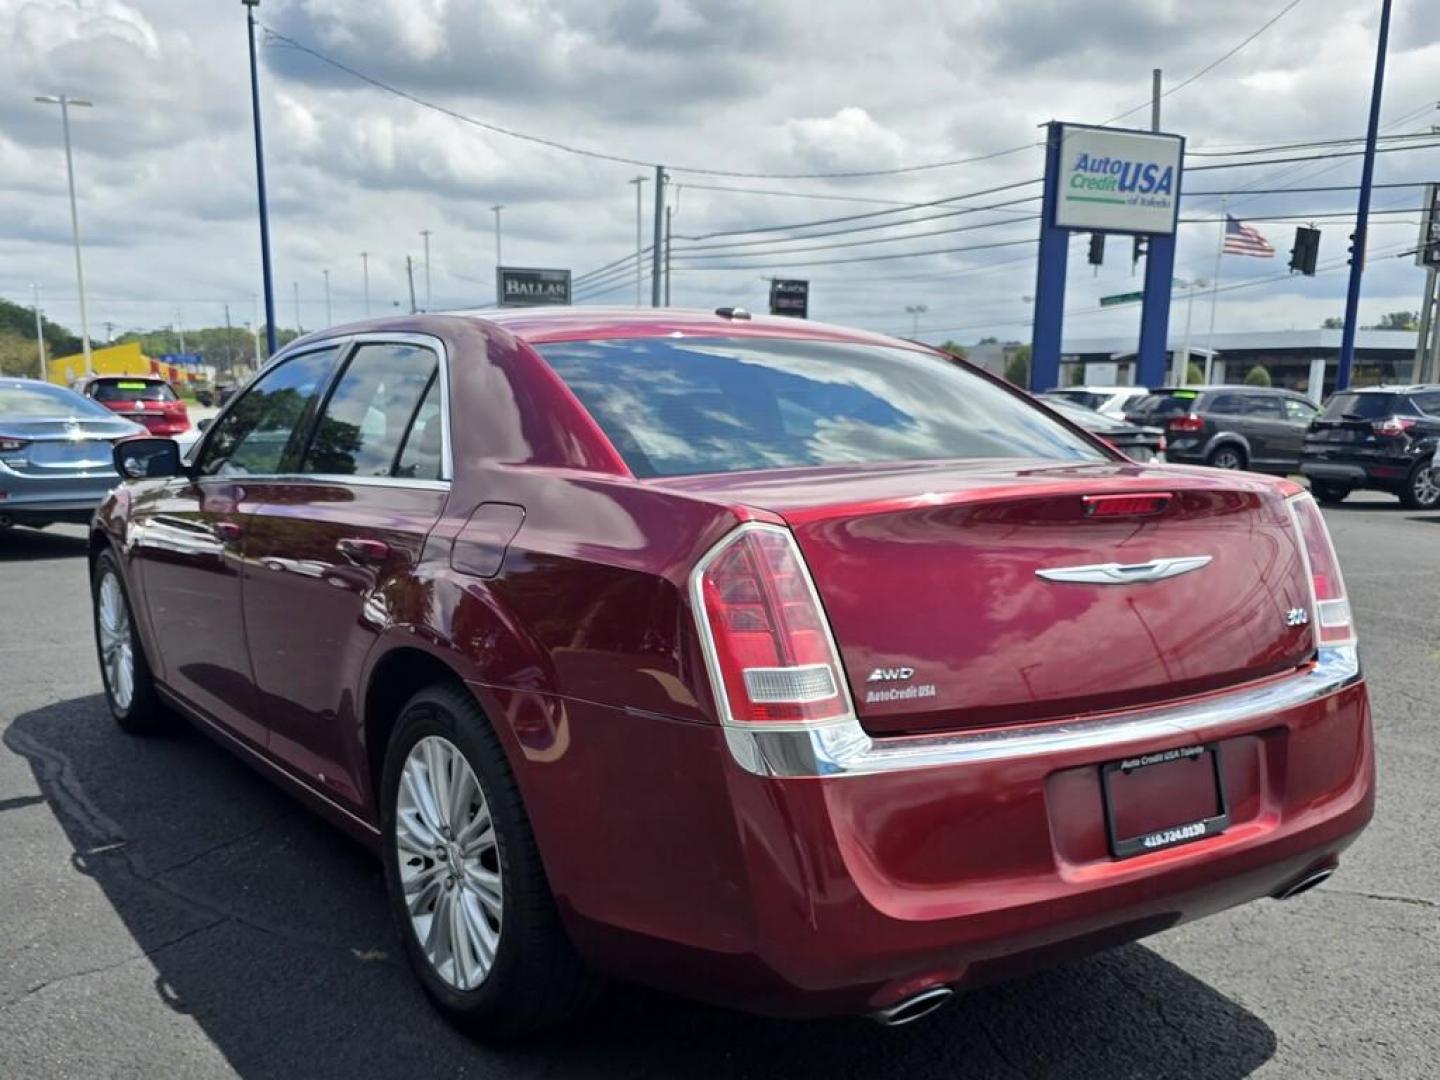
<point x="841" y="877"/>
<point x="1376" y="472"/>
<point x="26" y="498"/>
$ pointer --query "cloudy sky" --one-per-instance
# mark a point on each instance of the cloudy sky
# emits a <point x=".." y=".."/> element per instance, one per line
<point x="165" y="163"/>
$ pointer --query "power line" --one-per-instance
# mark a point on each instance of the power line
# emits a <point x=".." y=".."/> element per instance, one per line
<point x="883" y="258"/>
<point x="689" y="184"/>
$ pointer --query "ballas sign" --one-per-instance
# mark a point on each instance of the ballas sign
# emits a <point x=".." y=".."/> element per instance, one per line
<point x="519" y="287"/>
<point x="1112" y="180"/>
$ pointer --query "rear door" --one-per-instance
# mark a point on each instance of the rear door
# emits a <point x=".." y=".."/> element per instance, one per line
<point x="1298" y="414"/>
<point x="1265" y="429"/>
<point x="187" y="537"/>
<point x="331" y="548"/>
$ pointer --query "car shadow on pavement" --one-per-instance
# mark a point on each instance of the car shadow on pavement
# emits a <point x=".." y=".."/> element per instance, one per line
<point x="268" y="929"/>
<point x="20" y="544"/>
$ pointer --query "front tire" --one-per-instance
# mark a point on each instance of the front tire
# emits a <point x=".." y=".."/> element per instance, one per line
<point x="129" y="684"/>
<point x="1329" y="494"/>
<point x="1422" y="487"/>
<point x="1226" y="457"/>
<point x="466" y="885"/>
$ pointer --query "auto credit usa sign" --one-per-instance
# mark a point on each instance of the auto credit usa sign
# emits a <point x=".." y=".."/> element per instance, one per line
<point x="1116" y="180"/>
<point x="521" y="287"/>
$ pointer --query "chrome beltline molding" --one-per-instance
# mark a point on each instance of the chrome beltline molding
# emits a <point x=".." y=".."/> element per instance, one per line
<point x="840" y="748"/>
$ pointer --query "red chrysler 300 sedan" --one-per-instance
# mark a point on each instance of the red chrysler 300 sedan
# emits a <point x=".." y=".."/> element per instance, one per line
<point x="785" y="666"/>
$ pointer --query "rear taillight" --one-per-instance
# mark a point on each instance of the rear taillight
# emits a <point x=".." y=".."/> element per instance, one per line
<point x="1333" y="623"/>
<point x="767" y="643"/>
<point x="1187" y="422"/>
<point x="1392" y="426"/>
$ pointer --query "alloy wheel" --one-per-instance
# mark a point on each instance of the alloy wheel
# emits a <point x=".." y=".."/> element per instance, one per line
<point x="1225" y="459"/>
<point x="117" y="649"/>
<point x="1426" y="486"/>
<point x="449" y="861"/>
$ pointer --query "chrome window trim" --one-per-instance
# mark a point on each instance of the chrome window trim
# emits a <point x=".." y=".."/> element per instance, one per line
<point x="841" y="748"/>
<point x="345" y="343"/>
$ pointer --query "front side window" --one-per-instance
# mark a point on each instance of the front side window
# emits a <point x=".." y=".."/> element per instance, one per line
<point x="674" y="407"/>
<point x="1299" y="410"/>
<point x="1263" y="406"/>
<point x="364" y="423"/>
<point x="252" y="437"/>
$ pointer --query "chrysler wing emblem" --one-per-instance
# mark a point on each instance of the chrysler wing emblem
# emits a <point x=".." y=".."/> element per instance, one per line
<point x="1125" y="573"/>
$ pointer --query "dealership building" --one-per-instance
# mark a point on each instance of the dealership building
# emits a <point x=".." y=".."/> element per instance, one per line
<point x="1303" y="360"/>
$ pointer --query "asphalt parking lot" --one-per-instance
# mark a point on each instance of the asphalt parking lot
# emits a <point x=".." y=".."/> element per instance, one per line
<point x="166" y="912"/>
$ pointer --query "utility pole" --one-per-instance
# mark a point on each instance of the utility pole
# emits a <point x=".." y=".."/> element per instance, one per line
<point x="1155" y="80"/>
<point x="40" y="333"/>
<point x="295" y="288"/>
<point x="639" y="183"/>
<point x="180" y="326"/>
<point x="329" y="319"/>
<point x="410" y="276"/>
<point x="1427" y="315"/>
<point x="265" y="271"/>
<point x="498" y="261"/>
<point x="1362" y="213"/>
<point x="229" y="344"/>
<point x="659" y="225"/>
<point x="915" y="311"/>
<point x="425" y="235"/>
<point x="669" y="232"/>
<point x="109" y="332"/>
<point x="365" y="270"/>
<point x="65" y="102"/>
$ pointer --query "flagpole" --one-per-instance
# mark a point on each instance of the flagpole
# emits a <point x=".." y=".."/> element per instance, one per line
<point x="1215" y="291"/>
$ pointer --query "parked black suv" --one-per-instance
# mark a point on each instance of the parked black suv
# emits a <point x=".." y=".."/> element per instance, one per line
<point x="1229" y="427"/>
<point x="1382" y="438"/>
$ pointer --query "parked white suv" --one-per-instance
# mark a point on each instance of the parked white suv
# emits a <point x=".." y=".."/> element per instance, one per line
<point x="1110" y="400"/>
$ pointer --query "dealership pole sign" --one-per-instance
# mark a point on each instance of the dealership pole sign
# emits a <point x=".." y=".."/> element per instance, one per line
<point x="1107" y="180"/>
<point x="527" y="287"/>
<point x="789" y="297"/>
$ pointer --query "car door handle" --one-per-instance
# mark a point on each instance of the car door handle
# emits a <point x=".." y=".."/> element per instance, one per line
<point x="360" y="550"/>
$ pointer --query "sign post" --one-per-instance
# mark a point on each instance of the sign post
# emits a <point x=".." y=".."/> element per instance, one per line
<point x="527" y="287"/>
<point x="790" y="297"/>
<point x="1106" y="180"/>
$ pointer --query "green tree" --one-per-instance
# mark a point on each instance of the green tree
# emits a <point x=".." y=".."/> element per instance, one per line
<point x="18" y="355"/>
<point x="1194" y="374"/>
<point x="1399" y="320"/>
<point x="954" y="348"/>
<point x="19" y="320"/>
<point x="1334" y="322"/>
<point x="1257" y="376"/>
<point x="1017" y="369"/>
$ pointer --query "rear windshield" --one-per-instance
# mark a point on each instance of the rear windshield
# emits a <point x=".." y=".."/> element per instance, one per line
<point x="676" y="407"/>
<point x="38" y="401"/>
<point x="1363" y="406"/>
<point x="131" y="390"/>
<point x="1164" y="404"/>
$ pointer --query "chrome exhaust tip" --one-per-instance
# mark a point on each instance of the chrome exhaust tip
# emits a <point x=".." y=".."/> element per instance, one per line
<point x="1306" y="883"/>
<point x="915" y="1007"/>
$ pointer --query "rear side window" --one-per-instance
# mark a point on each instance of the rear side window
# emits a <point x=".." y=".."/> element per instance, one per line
<point x="131" y="390"/>
<point x="364" y="422"/>
<point x="1228" y="405"/>
<point x="1156" y="405"/>
<point x="1427" y="402"/>
<point x="1360" y="406"/>
<point x="675" y="407"/>
<point x="1262" y="405"/>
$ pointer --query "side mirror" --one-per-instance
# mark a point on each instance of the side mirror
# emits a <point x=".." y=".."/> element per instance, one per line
<point x="203" y="426"/>
<point x="144" y="458"/>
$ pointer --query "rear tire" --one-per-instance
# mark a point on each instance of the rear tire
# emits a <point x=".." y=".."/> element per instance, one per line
<point x="129" y="685"/>
<point x="485" y="939"/>
<point x="1329" y="494"/>
<point x="1227" y="456"/>
<point x="1422" y="487"/>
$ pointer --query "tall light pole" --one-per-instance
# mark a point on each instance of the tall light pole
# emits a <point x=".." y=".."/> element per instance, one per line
<point x="329" y="319"/>
<point x="365" y="271"/>
<point x="295" y="286"/>
<point x="65" y="102"/>
<point x="425" y="235"/>
<point x="498" y="261"/>
<point x="267" y="281"/>
<point x="915" y="311"/>
<point x="1362" y="212"/>
<point x="639" y="183"/>
<point x="40" y="333"/>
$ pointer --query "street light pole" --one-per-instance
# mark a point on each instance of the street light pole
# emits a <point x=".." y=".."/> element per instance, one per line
<point x="40" y="333"/>
<point x="365" y="270"/>
<point x="915" y="311"/>
<point x="295" y="287"/>
<point x="639" y="183"/>
<point x="265" y="272"/>
<point x="329" y="319"/>
<point x="497" y="208"/>
<point x="65" y="102"/>
<point x="425" y="235"/>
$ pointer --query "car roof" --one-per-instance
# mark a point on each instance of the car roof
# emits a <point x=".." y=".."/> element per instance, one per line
<point x="1095" y="389"/>
<point x="1414" y="388"/>
<point x="543" y="325"/>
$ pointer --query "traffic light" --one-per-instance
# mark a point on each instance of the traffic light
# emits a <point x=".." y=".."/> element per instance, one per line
<point x="1142" y="245"/>
<point x="1354" y="251"/>
<point x="1306" y="251"/>
<point x="1097" y="248"/>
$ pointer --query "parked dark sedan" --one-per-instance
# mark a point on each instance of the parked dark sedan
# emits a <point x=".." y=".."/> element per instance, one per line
<point x="1229" y="427"/>
<point x="1143" y="444"/>
<point x="1382" y="438"/>
<point x="766" y="661"/>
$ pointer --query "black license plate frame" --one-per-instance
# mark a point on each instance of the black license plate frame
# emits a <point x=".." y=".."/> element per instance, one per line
<point x="1185" y="832"/>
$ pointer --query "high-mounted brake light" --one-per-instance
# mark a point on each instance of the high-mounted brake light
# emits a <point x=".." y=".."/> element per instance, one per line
<point x="767" y="644"/>
<point x="1333" y="622"/>
<point x="1187" y="422"/>
<point x="1148" y="502"/>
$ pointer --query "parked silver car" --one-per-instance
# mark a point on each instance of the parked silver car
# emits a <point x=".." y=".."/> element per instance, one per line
<point x="55" y="453"/>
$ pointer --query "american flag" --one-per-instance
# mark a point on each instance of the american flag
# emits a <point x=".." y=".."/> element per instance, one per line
<point x="1241" y="239"/>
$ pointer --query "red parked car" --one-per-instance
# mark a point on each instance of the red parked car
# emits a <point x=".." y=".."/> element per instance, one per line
<point x="781" y="665"/>
<point x="146" y="399"/>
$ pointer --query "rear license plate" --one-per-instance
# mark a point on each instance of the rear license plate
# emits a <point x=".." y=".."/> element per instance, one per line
<point x="1155" y="801"/>
<point x="71" y="455"/>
